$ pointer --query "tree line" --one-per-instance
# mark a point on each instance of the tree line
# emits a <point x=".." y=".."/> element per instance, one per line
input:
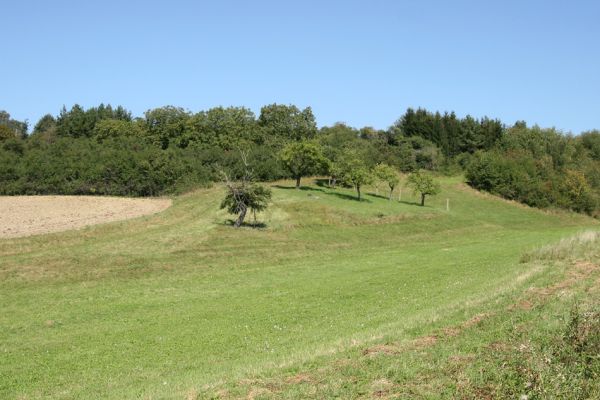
<point x="105" y="150"/>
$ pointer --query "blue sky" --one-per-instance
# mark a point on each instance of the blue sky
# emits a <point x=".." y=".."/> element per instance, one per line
<point x="361" y="62"/>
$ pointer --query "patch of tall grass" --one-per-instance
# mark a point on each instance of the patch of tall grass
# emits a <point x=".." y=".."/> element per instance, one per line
<point x="577" y="246"/>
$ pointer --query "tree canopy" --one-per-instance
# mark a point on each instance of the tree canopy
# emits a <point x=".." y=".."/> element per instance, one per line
<point x="104" y="149"/>
<point x="303" y="159"/>
<point x="423" y="185"/>
<point x="388" y="175"/>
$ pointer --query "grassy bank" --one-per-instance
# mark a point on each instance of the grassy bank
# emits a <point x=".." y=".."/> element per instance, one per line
<point x="179" y="304"/>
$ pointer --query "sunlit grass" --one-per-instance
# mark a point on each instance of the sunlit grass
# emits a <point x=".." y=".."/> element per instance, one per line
<point x="163" y="305"/>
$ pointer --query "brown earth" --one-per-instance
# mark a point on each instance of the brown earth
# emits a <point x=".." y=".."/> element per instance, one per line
<point x="34" y="215"/>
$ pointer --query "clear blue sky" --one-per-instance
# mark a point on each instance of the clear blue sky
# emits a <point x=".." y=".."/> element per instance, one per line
<point x="361" y="62"/>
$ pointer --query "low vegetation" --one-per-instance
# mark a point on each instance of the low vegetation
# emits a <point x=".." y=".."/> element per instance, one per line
<point x="329" y="297"/>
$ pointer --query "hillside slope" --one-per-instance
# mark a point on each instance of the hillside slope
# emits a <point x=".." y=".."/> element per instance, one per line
<point x="173" y="304"/>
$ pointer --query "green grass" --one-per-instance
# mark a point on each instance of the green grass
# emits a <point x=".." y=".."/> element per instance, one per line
<point x="180" y="304"/>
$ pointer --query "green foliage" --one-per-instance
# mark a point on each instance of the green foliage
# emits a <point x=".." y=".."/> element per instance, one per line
<point x="591" y="142"/>
<point x="423" y="184"/>
<point x="6" y="133"/>
<point x="225" y="128"/>
<point x="116" y="128"/>
<point x="118" y="166"/>
<point x="243" y="196"/>
<point x="388" y="175"/>
<point x="165" y="125"/>
<point x="353" y="171"/>
<point x="78" y="122"/>
<point x="541" y="168"/>
<point x="303" y="159"/>
<point x="281" y="123"/>
<point x="451" y="134"/>
<point x="18" y="128"/>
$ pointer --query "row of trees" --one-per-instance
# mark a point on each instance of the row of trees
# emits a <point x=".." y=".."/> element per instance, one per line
<point x="541" y="168"/>
<point x="106" y="150"/>
<point x="306" y="158"/>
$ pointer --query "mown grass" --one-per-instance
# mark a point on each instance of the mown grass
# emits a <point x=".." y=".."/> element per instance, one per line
<point x="180" y="305"/>
<point x="541" y="342"/>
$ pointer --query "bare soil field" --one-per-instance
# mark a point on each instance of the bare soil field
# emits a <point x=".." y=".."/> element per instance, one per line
<point x="34" y="215"/>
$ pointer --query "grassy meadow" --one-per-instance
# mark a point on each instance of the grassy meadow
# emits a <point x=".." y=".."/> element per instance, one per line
<point x="327" y="297"/>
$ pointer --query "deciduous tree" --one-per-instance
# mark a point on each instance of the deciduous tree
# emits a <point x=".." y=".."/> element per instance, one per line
<point x="353" y="171"/>
<point x="388" y="175"/>
<point x="423" y="184"/>
<point x="244" y="194"/>
<point x="303" y="159"/>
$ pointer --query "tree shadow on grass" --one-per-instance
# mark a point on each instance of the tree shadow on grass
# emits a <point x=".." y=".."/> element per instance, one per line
<point x="348" y="197"/>
<point x="379" y="196"/>
<point x="246" y="224"/>
<point x="411" y="203"/>
<point x="303" y="188"/>
<point x="322" y="182"/>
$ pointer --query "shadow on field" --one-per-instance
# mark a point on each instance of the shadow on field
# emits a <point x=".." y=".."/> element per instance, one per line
<point x="379" y="196"/>
<point x="348" y="197"/>
<point x="304" y="188"/>
<point x="245" y="224"/>
<point x="324" y="184"/>
<point x="408" y="203"/>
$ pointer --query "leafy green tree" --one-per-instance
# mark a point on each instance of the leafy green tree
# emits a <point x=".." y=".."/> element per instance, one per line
<point x="45" y="124"/>
<point x="285" y="123"/>
<point x="353" y="171"/>
<point x="113" y="128"/>
<point x="78" y="122"/>
<point x="385" y="173"/>
<point x="18" y="128"/>
<point x="226" y="128"/>
<point x="6" y="133"/>
<point x="423" y="184"/>
<point x="591" y="141"/>
<point x="303" y="159"/>
<point x="579" y="192"/>
<point x="166" y="125"/>
<point x="244" y="194"/>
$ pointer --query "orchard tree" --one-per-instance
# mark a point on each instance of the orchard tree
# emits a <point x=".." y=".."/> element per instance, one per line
<point x="303" y="159"/>
<point x="354" y="172"/>
<point x="385" y="173"/>
<point x="244" y="194"/>
<point x="423" y="184"/>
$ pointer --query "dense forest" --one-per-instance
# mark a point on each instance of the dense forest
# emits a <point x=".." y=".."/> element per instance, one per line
<point x="106" y="151"/>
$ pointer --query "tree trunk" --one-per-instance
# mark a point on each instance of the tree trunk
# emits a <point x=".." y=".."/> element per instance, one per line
<point x="391" y="193"/>
<point x="241" y="217"/>
<point x="333" y="182"/>
<point x="298" y="182"/>
<point x="358" y="191"/>
<point x="422" y="199"/>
